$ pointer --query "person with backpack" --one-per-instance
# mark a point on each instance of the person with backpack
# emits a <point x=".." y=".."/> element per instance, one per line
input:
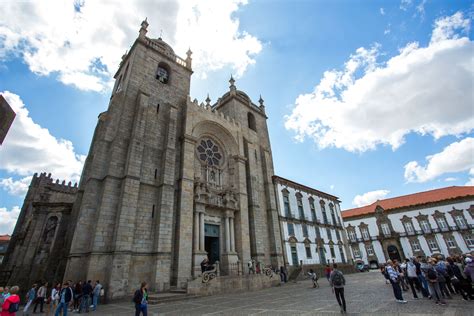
<point x="383" y="270"/>
<point x="65" y="297"/>
<point x="337" y="282"/>
<point x="456" y="277"/>
<point x="442" y="278"/>
<point x="30" y="298"/>
<point x="314" y="278"/>
<point x="432" y="277"/>
<point x="86" y="294"/>
<point x="395" y="277"/>
<point x="140" y="298"/>
<point x="11" y="305"/>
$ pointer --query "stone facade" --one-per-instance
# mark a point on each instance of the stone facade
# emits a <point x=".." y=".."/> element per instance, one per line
<point x="169" y="181"/>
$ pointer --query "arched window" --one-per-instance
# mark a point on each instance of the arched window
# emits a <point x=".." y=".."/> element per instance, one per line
<point x="323" y="210"/>
<point x="251" y="121"/>
<point x="163" y="73"/>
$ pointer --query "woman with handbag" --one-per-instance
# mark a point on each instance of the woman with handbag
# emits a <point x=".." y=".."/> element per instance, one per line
<point x="140" y="298"/>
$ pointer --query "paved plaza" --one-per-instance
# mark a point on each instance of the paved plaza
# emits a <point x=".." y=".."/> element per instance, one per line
<point x="366" y="294"/>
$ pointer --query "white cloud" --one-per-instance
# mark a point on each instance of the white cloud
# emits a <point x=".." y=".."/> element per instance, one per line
<point x="80" y="44"/>
<point x="426" y="90"/>
<point x="15" y="187"/>
<point x="30" y="148"/>
<point x="369" y="197"/>
<point x="456" y="157"/>
<point x="450" y="179"/>
<point x="420" y="8"/>
<point x="471" y="178"/>
<point x="331" y="186"/>
<point x="405" y="4"/>
<point x="7" y="224"/>
<point x="382" y="11"/>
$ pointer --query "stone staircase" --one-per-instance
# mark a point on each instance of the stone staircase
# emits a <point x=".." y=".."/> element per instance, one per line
<point x="173" y="295"/>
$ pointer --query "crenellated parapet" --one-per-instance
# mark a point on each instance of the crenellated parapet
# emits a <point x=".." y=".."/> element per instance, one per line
<point x="208" y="108"/>
<point x="45" y="180"/>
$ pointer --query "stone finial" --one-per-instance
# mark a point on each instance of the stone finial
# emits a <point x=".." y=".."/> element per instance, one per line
<point x="189" y="60"/>
<point x="143" y="28"/>
<point x="124" y="55"/>
<point x="208" y="101"/>
<point x="262" y="106"/>
<point x="232" y="85"/>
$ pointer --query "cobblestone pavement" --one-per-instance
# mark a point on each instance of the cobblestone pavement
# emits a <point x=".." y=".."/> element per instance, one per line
<point x="366" y="294"/>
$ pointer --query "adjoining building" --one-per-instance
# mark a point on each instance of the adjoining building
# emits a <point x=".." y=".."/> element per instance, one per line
<point x="7" y="115"/>
<point x="4" y="241"/>
<point x="421" y="224"/>
<point x="311" y="225"/>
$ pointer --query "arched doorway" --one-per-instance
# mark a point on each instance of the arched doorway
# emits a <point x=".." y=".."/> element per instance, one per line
<point x="393" y="253"/>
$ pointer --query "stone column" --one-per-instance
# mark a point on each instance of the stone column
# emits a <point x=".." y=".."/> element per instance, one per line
<point x="232" y="234"/>
<point x="201" y="233"/>
<point x="227" y="234"/>
<point x="196" y="232"/>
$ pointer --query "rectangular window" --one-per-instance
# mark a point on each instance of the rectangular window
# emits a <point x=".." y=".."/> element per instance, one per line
<point x="286" y="204"/>
<point x="294" y="256"/>
<point x="433" y="244"/>
<point x="365" y="233"/>
<point x="300" y="209"/>
<point x="291" y="229"/>
<point x="341" y="252"/>
<point x="425" y="226"/>
<point x="308" y="252"/>
<point x="356" y="251"/>
<point x="313" y="211"/>
<point x="328" y="233"/>
<point x="415" y="244"/>
<point x="370" y="250"/>
<point x="385" y="229"/>
<point x="318" y="233"/>
<point x="338" y="235"/>
<point x="469" y="241"/>
<point x="441" y="223"/>
<point x="305" y="230"/>
<point x="333" y="254"/>
<point x="450" y="242"/>
<point x="459" y="219"/>
<point x="408" y="227"/>
<point x="352" y="235"/>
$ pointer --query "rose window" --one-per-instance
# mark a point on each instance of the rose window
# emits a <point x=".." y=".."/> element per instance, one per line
<point x="209" y="152"/>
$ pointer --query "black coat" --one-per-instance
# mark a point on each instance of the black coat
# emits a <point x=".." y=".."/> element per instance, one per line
<point x="68" y="294"/>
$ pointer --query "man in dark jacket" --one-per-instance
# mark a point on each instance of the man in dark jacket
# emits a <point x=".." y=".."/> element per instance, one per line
<point x="86" y="294"/>
<point x="65" y="297"/>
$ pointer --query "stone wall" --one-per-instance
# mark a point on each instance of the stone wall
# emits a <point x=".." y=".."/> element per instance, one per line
<point x="232" y="284"/>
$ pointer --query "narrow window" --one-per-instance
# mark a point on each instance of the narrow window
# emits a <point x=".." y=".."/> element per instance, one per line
<point x="153" y="211"/>
<point x="308" y="252"/>
<point x="251" y="121"/>
<point x="157" y="108"/>
<point x="156" y="173"/>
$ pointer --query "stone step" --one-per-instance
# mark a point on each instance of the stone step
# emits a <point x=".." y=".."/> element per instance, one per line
<point x="158" y="298"/>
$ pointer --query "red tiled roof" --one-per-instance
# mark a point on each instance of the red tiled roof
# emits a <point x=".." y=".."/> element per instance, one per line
<point x="420" y="198"/>
<point x="5" y="237"/>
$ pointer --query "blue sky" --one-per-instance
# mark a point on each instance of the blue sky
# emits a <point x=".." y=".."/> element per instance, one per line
<point x="355" y="108"/>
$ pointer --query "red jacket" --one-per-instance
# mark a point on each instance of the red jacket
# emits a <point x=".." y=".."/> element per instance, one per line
<point x="6" y="305"/>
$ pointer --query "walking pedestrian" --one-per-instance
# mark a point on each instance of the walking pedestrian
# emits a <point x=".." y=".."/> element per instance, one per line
<point x="337" y="282"/>
<point x="327" y="272"/>
<point x="283" y="274"/>
<point x="40" y="297"/>
<point x="442" y="278"/>
<point x="395" y="281"/>
<point x="11" y="305"/>
<point x="456" y="277"/>
<point x="96" y="295"/>
<point x="250" y="265"/>
<point x="65" y="297"/>
<point x="140" y="298"/>
<point x="77" y="296"/>
<point x="421" y="278"/>
<point x="54" y="299"/>
<point x="314" y="278"/>
<point x="30" y="298"/>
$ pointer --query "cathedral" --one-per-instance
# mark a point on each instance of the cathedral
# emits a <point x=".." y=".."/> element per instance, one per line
<point x="167" y="182"/>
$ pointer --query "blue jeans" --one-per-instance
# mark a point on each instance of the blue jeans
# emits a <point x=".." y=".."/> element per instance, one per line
<point x="141" y="308"/>
<point x="424" y="283"/>
<point x="95" y="300"/>
<point x="62" y="306"/>
<point x="84" y="304"/>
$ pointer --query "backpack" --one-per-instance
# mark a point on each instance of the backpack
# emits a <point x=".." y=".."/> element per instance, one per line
<point x="337" y="279"/>
<point x="432" y="275"/>
<point x="14" y="307"/>
<point x="136" y="298"/>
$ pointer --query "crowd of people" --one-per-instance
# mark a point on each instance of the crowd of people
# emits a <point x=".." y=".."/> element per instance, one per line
<point x="78" y="297"/>
<point x="433" y="278"/>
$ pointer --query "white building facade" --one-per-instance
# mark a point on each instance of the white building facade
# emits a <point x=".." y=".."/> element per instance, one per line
<point x="311" y="225"/>
<point x="421" y="224"/>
